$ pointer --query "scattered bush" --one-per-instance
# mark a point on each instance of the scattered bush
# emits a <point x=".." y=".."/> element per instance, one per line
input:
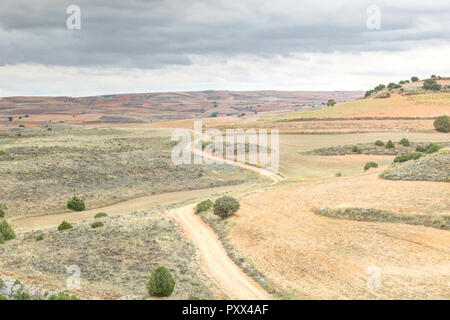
<point x="62" y="296"/>
<point x="442" y="123"/>
<point x="356" y="149"/>
<point x="393" y="86"/>
<point x="40" y="237"/>
<point x="379" y="143"/>
<point x="6" y="231"/>
<point x="76" y="204"/>
<point x="380" y="87"/>
<point x="431" y="84"/>
<point x="432" y="148"/>
<point x="420" y="149"/>
<point x="204" y="206"/>
<point x="64" y="226"/>
<point x="97" y="224"/>
<point x="369" y="165"/>
<point x="390" y="144"/>
<point x="161" y="283"/>
<point x="21" y="295"/>
<point x="408" y="156"/>
<point x="404" y="142"/>
<point x="226" y="206"/>
<point x="100" y="215"/>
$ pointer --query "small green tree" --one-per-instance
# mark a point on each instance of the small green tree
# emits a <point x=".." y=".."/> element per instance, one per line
<point x="64" y="226"/>
<point x="226" y="206"/>
<point x="431" y="84"/>
<point x="442" y="123"/>
<point x="380" y="87"/>
<point x="379" y="143"/>
<point x="331" y="103"/>
<point x="76" y="204"/>
<point x="204" y="206"/>
<point x="6" y="231"/>
<point x="161" y="283"/>
<point x="40" y="237"/>
<point x="414" y="79"/>
<point x="404" y="142"/>
<point x="390" y="144"/>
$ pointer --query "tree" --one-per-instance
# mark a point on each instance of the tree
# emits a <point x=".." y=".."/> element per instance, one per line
<point x="380" y="87"/>
<point x="414" y="79"/>
<point x="226" y="206"/>
<point x="390" y="144"/>
<point x="431" y="84"/>
<point x="161" y="283"/>
<point x="331" y="103"/>
<point x="442" y="123"/>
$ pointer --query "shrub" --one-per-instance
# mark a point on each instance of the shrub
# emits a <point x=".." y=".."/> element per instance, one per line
<point x="64" y="226"/>
<point x="420" y="149"/>
<point x="390" y="144"/>
<point x="100" y="215"/>
<point x="369" y="93"/>
<point x="226" y="206"/>
<point x="431" y="84"/>
<point x="414" y="79"/>
<point x="21" y="295"/>
<point x="356" y="149"/>
<point x="331" y="103"/>
<point x="204" y="206"/>
<point x="76" y="204"/>
<point x="442" y="123"/>
<point x="408" y="156"/>
<point x="380" y="87"/>
<point x="404" y="142"/>
<point x="2" y="297"/>
<point x="393" y="86"/>
<point x="2" y="283"/>
<point x="161" y="283"/>
<point x="432" y="148"/>
<point x="379" y="143"/>
<point x="369" y="165"/>
<point x="62" y="296"/>
<point x="2" y="213"/>
<point x="338" y="174"/>
<point x="6" y="231"/>
<point x="40" y="237"/>
<point x="2" y="239"/>
<point x="97" y="224"/>
<point x="2" y="152"/>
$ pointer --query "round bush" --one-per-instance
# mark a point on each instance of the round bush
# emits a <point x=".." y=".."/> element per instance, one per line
<point x="442" y="123"/>
<point x="356" y="149"/>
<point x="390" y="144"/>
<point x="369" y="165"/>
<point x="100" y="215"/>
<point x="226" y="206"/>
<point x="97" y="224"/>
<point x="64" y="226"/>
<point x="420" y="149"/>
<point x="379" y="143"/>
<point x="404" y="142"/>
<point x="6" y="231"/>
<point x="76" y="204"/>
<point x="204" y="206"/>
<point x="161" y="283"/>
<point x="40" y="237"/>
<point x="432" y="148"/>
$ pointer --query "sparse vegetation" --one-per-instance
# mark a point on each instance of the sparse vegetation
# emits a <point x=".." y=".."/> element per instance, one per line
<point x="100" y="215"/>
<point x="390" y="144"/>
<point x="64" y="226"/>
<point x="76" y="204"/>
<point x="22" y="295"/>
<point x="442" y="123"/>
<point x="161" y="283"/>
<point x="226" y="206"/>
<point x="97" y="224"/>
<point x="408" y="156"/>
<point x="204" y="206"/>
<point x="369" y="165"/>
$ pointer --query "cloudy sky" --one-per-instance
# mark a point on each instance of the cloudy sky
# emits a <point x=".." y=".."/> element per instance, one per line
<point x="175" y="45"/>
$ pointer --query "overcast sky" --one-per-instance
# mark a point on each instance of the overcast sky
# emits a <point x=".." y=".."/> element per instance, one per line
<point x="176" y="45"/>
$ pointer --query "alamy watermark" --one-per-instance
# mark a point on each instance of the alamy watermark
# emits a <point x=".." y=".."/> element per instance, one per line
<point x="254" y="147"/>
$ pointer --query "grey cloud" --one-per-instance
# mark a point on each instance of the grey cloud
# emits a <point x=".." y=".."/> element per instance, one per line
<point x="151" y="34"/>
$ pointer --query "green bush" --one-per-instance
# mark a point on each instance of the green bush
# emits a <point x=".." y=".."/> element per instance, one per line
<point x="64" y="226"/>
<point x="2" y="213"/>
<point x="76" y="204"/>
<point x="6" y="231"/>
<point x="408" y="156"/>
<point x="97" y="224"/>
<point x="21" y="295"/>
<point x="226" y="206"/>
<point x="420" y="149"/>
<point x="379" y="143"/>
<point x="390" y="144"/>
<point x="369" y="165"/>
<point x="62" y="296"/>
<point x="161" y="283"/>
<point x="331" y="103"/>
<point x="432" y="148"/>
<point x="40" y="237"/>
<point x="380" y="87"/>
<point x="2" y="152"/>
<point x="414" y="79"/>
<point x="431" y="84"/>
<point x="404" y="142"/>
<point x="204" y="206"/>
<point x="100" y="215"/>
<point x="442" y="123"/>
<point x="2" y="239"/>
<point x="356" y="149"/>
<point x="369" y="93"/>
